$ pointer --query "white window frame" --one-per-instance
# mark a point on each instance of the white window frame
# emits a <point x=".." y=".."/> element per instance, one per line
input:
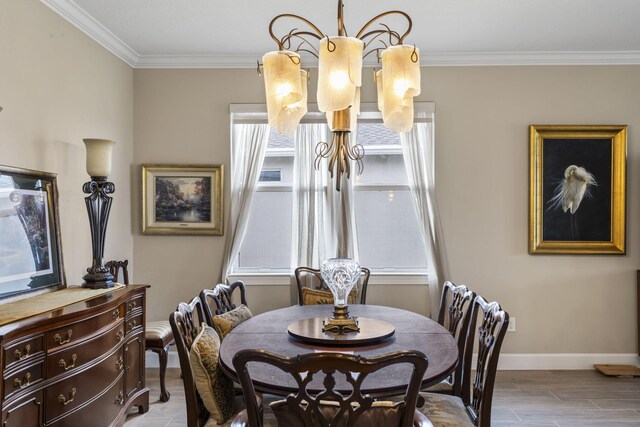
<point x="257" y="113"/>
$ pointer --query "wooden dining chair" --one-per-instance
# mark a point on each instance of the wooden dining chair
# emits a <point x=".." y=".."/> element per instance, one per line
<point x="454" y="315"/>
<point x="313" y="405"/>
<point x="157" y="335"/>
<point x="474" y="407"/>
<point x="185" y="323"/>
<point x="219" y="300"/>
<point x="310" y="278"/>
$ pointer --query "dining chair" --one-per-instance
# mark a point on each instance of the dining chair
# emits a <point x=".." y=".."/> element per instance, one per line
<point x="474" y="407"/>
<point x="157" y="335"/>
<point x="454" y="315"/>
<point x="222" y="297"/>
<point x="310" y="278"/>
<point x="186" y="323"/>
<point x="321" y="405"/>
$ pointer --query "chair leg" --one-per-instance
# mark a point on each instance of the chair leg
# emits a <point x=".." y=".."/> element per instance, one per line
<point x="163" y="356"/>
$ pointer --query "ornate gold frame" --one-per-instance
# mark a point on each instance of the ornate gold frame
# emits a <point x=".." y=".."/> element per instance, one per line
<point x="151" y="226"/>
<point x="618" y="136"/>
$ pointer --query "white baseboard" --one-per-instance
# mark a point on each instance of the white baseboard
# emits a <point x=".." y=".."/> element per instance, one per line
<point x="508" y="361"/>
<point x="569" y="361"/>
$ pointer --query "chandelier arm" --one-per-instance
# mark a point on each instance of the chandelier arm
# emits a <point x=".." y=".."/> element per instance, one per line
<point x="382" y="15"/>
<point x="318" y="34"/>
<point x="287" y="40"/>
<point x="378" y="49"/>
<point x="377" y="33"/>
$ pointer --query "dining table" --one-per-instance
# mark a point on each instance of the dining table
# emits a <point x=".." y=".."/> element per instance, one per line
<point x="413" y="331"/>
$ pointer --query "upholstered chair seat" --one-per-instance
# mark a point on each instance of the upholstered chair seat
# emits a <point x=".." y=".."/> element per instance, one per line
<point x="158" y="330"/>
<point x="445" y="410"/>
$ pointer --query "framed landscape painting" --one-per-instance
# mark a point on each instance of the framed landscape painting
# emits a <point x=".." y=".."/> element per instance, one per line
<point x="182" y="199"/>
<point x="30" y="248"/>
<point x="577" y="189"/>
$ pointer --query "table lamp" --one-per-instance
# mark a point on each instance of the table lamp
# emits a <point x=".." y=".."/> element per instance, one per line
<point x="98" y="204"/>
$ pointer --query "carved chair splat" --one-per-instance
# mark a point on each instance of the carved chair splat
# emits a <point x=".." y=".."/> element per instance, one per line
<point x="222" y="297"/>
<point x="309" y="407"/>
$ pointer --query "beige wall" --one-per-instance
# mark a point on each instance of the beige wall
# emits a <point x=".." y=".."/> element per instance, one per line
<point x="57" y="86"/>
<point x="563" y="304"/>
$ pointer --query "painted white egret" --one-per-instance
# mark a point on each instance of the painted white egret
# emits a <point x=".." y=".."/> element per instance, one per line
<point x="572" y="189"/>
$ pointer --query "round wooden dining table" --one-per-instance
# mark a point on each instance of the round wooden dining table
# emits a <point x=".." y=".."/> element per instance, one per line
<point x="413" y="331"/>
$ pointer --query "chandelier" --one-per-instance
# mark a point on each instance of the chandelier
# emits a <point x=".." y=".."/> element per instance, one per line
<point x="339" y="81"/>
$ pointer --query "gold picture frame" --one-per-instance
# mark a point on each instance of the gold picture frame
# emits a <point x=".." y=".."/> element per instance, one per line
<point x="182" y="199"/>
<point x="577" y="189"/>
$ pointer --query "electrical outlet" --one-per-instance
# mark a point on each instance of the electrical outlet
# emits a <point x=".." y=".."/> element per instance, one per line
<point x="512" y="324"/>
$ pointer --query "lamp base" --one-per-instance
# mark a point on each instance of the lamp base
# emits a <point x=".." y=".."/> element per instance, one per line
<point x="340" y="322"/>
<point x="98" y="279"/>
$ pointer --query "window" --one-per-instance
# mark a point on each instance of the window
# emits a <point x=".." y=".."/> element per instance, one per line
<point x="388" y="232"/>
<point x="389" y="237"/>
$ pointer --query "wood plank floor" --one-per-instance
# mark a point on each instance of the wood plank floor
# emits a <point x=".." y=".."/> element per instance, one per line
<point x="521" y="398"/>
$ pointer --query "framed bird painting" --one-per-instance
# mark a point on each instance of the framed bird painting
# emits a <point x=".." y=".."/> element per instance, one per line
<point x="577" y="191"/>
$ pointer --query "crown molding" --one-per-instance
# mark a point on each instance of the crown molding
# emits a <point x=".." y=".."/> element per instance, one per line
<point x="436" y="59"/>
<point x="80" y="19"/>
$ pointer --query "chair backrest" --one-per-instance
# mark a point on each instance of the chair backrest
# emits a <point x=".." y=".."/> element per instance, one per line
<point x="222" y="296"/>
<point x="185" y="324"/>
<point x="303" y="369"/>
<point x="477" y="393"/>
<point x="454" y="315"/>
<point x="115" y="267"/>
<point x="307" y="277"/>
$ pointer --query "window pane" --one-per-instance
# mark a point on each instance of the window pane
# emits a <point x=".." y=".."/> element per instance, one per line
<point x="383" y="163"/>
<point x="388" y="232"/>
<point x="267" y="243"/>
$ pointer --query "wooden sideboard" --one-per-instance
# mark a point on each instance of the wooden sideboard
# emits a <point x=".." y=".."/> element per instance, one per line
<point x="78" y="365"/>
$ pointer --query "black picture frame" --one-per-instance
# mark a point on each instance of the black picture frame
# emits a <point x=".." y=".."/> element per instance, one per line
<point x="30" y="244"/>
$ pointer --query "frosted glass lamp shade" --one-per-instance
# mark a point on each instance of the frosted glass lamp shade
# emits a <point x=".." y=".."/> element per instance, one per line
<point x="99" y="153"/>
<point x="400" y="83"/>
<point x="339" y="72"/>
<point x="286" y="90"/>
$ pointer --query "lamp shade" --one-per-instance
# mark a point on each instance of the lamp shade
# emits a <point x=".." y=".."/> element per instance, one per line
<point x="286" y="90"/>
<point x="400" y="83"/>
<point x="339" y="73"/>
<point x="99" y="153"/>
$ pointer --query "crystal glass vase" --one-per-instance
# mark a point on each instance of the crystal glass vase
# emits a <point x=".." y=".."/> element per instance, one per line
<point x="340" y="275"/>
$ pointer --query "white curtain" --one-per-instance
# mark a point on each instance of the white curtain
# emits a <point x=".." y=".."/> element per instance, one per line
<point x="418" y="153"/>
<point x="324" y="223"/>
<point x="343" y="217"/>
<point x="247" y="156"/>
<point x="311" y="244"/>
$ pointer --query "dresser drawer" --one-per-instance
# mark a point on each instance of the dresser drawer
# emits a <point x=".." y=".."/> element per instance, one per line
<point x="75" y="332"/>
<point x="66" y="395"/>
<point x="23" y="350"/>
<point x="26" y="412"/>
<point x="74" y="357"/>
<point x="133" y="323"/>
<point x="99" y="413"/>
<point x="134" y="303"/>
<point x="22" y="379"/>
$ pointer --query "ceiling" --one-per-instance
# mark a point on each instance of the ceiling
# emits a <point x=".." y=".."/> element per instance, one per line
<point x="234" y="33"/>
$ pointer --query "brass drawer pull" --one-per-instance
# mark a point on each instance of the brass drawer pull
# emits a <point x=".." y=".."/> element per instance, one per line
<point x="120" y="336"/>
<point x="120" y="399"/>
<point x="119" y="364"/>
<point x="132" y="305"/>
<point x="57" y="338"/>
<point x="132" y="324"/>
<point x="64" y="400"/>
<point x="19" y="355"/>
<point x="22" y="383"/>
<point x="115" y="314"/>
<point x="63" y="364"/>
